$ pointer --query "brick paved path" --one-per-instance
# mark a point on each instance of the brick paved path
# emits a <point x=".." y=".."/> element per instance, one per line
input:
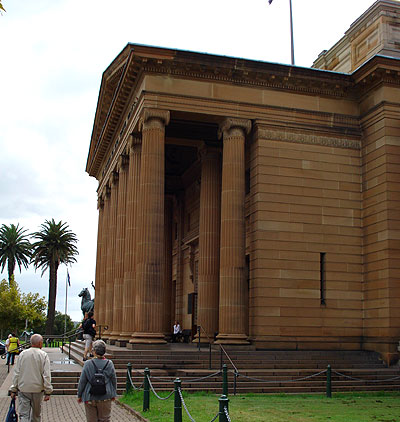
<point x="66" y="408"/>
<point x="58" y="408"/>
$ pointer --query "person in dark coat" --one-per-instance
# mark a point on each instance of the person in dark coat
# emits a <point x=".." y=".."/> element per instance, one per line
<point x="97" y="408"/>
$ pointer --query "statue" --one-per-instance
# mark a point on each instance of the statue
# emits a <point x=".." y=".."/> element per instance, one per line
<point x="87" y="303"/>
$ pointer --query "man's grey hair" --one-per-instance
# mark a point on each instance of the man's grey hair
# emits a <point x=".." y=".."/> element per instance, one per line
<point x="99" y="347"/>
<point x="36" y="339"/>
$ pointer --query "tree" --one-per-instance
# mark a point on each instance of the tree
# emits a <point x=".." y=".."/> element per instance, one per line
<point x="1" y="7"/>
<point x="59" y="324"/>
<point x="55" y="245"/>
<point x="17" y="309"/>
<point x="15" y="248"/>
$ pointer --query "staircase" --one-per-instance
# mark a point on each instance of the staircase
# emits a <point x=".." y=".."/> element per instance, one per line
<point x="259" y="371"/>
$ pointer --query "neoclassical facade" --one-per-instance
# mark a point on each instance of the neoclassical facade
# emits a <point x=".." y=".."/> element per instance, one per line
<point x="259" y="201"/>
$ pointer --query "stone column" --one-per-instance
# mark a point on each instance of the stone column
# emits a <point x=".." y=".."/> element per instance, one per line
<point x="232" y="304"/>
<point x="128" y="320"/>
<point x="209" y="241"/>
<point x="100" y="301"/>
<point x="150" y="251"/>
<point x="167" y="279"/>
<point x="110" y="273"/>
<point x="119" y="247"/>
<point x="100" y="207"/>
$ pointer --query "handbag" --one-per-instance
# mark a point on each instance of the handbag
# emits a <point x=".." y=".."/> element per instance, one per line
<point x="12" y="413"/>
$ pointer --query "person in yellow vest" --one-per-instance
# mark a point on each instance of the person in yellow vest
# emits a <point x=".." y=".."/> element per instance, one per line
<point x="12" y="349"/>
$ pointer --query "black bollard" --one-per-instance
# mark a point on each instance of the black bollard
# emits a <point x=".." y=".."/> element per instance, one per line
<point x="329" y="382"/>
<point x="128" y="377"/>
<point x="146" y="390"/>
<point x="177" y="401"/>
<point x="223" y="402"/>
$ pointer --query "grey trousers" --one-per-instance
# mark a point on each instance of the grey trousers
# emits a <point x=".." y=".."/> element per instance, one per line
<point x="30" y="406"/>
<point x="98" y="411"/>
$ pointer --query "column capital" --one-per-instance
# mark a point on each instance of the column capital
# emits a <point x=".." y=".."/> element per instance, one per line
<point x="113" y="178"/>
<point x="122" y="164"/>
<point x="134" y="142"/>
<point x="231" y="124"/>
<point x="100" y="202"/>
<point x="206" y="151"/>
<point x="154" y="118"/>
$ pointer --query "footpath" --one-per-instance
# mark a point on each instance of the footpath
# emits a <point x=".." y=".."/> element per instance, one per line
<point x="61" y="408"/>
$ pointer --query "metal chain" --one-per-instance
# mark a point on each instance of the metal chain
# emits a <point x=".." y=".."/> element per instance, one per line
<point x="203" y="378"/>
<point x="154" y="391"/>
<point x="184" y="405"/>
<point x="215" y="417"/>
<point x="132" y="384"/>
<point x="363" y="380"/>
<point x="279" y="381"/>
<point x="227" y="414"/>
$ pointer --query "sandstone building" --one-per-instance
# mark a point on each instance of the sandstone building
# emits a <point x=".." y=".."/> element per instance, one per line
<point x="259" y="201"/>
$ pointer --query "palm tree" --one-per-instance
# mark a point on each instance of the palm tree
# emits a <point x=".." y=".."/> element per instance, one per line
<point x="15" y="248"/>
<point x="55" y="245"/>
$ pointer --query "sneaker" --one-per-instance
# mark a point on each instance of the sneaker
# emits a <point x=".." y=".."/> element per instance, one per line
<point x="84" y="359"/>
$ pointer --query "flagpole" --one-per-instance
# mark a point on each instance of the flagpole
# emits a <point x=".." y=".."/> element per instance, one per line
<point x="291" y="32"/>
<point x="66" y="299"/>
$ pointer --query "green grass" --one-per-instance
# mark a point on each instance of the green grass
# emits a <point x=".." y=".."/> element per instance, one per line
<point x="342" y="407"/>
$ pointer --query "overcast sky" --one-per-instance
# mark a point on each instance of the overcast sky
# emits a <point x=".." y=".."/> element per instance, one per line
<point x="52" y="56"/>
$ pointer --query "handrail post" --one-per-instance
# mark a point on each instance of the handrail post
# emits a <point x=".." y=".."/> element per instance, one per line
<point x="225" y="380"/>
<point x="329" y="382"/>
<point x="209" y="359"/>
<point x="221" y="358"/>
<point x="234" y="382"/>
<point x="223" y="402"/>
<point x="69" y="350"/>
<point x="199" y="334"/>
<point x="128" y="377"/>
<point x="177" y="401"/>
<point x="146" y="390"/>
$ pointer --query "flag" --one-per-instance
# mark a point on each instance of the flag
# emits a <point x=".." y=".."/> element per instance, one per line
<point x="68" y="280"/>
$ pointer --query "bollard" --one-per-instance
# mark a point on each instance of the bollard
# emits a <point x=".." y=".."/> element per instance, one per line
<point x="146" y="390"/>
<point x="223" y="402"/>
<point x="177" y="402"/>
<point x="225" y="380"/>
<point x="128" y="377"/>
<point x="328" y="382"/>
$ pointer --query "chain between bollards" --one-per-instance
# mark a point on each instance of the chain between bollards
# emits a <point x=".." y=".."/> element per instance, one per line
<point x="329" y="382"/>
<point x="177" y="401"/>
<point x="146" y="390"/>
<point x="225" y="380"/>
<point x="223" y="402"/>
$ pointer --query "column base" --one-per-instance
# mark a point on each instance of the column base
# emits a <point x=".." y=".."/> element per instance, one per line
<point x="125" y="337"/>
<point x="147" y="338"/>
<point x="239" y="339"/>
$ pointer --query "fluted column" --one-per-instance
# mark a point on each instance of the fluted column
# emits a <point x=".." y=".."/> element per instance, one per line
<point x="209" y="242"/>
<point x="148" y="311"/>
<point x="100" y="246"/>
<point x="111" y="255"/>
<point x="167" y="279"/>
<point x="232" y="304"/>
<point x="119" y="247"/>
<point x="128" y="321"/>
<point x="100" y="300"/>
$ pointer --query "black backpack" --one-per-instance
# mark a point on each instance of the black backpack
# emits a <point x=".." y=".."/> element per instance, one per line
<point x="98" y="381"/>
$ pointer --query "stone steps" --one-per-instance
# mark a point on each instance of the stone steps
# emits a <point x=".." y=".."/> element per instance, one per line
<point x="281" y="371"/>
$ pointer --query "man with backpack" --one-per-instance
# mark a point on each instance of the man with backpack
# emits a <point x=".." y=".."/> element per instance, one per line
<point x="98" y="385"/>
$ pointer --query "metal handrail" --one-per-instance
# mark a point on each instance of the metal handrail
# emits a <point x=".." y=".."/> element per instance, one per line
<point x="221" y="348"/>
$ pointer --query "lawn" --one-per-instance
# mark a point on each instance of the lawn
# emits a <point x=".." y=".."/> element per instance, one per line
<point x="342" y="407"/>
